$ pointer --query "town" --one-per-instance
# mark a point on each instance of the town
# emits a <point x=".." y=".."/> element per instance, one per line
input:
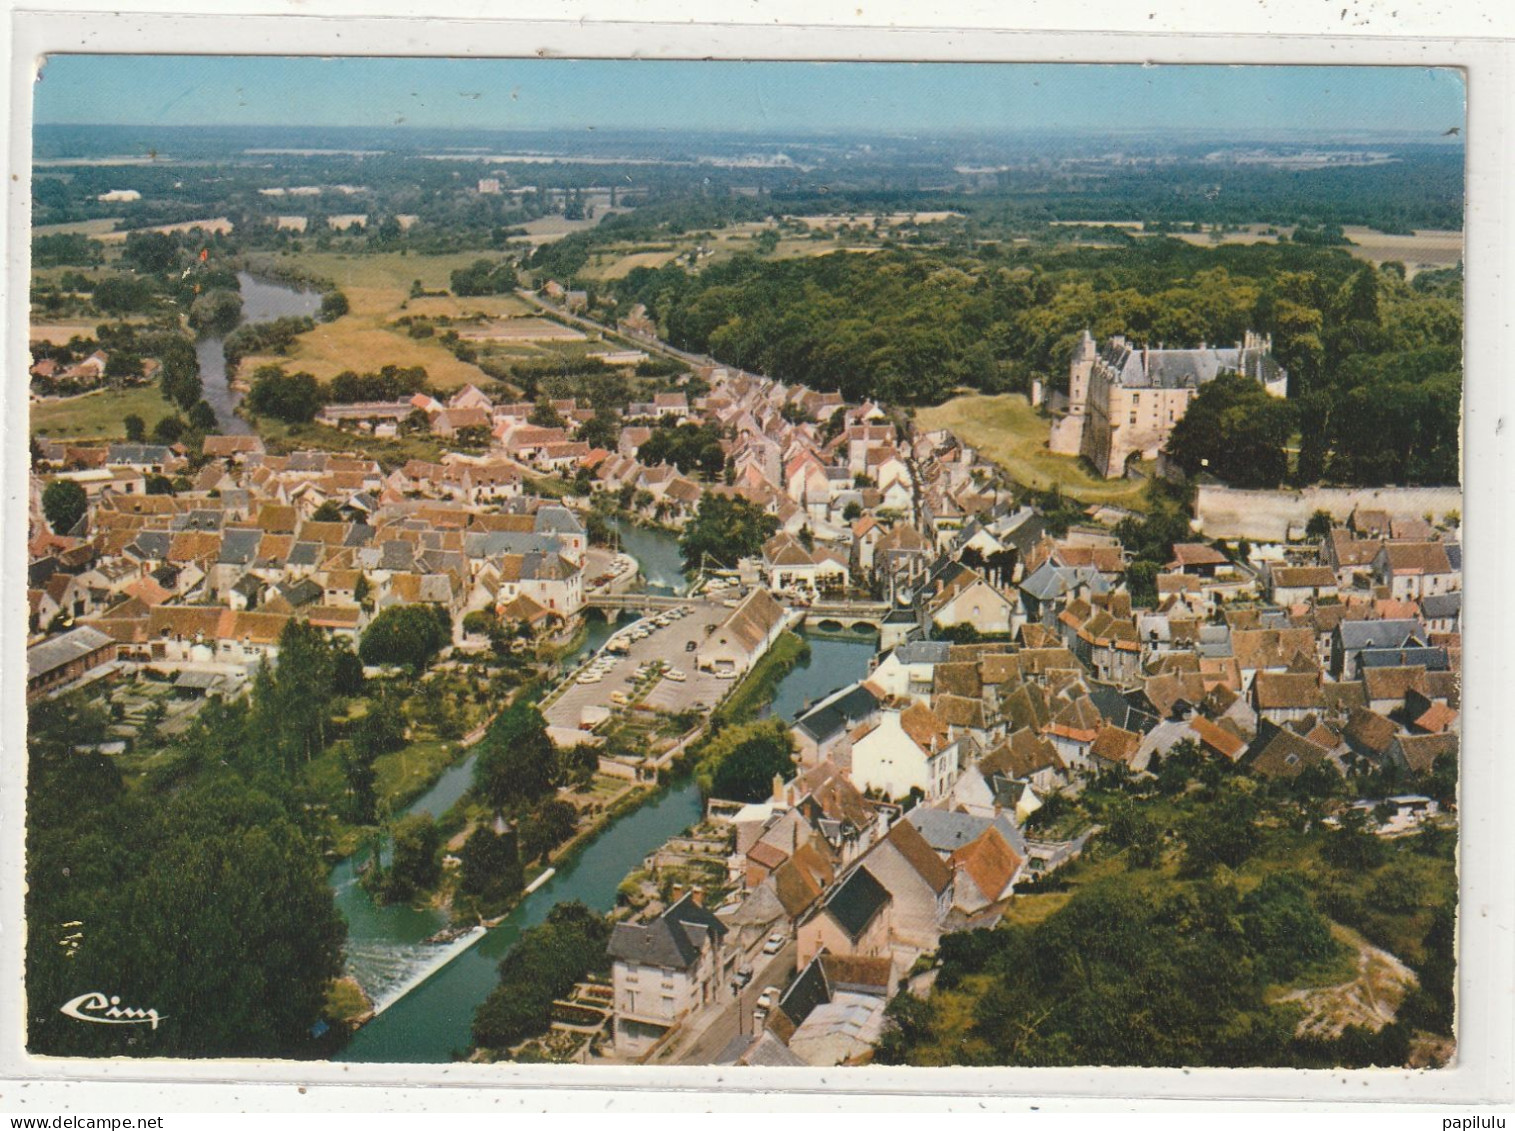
<point x="1018" y="661"/>
<point x="561" y="562"/>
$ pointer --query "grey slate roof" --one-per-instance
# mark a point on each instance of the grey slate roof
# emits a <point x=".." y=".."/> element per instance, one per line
<point x="305" y="554"/>
<point x="52" y="654"/>
<point x="1050" y="580"/>
<point x="946" y="831"/>
<point x="673" y="940"/>
<point x="1442" y="605"/>
<point x="397" y="555"/>
<point x="855" y="902"/>
<point x="1359" y="634"/>
<point x="837" y="712"/>
<point x="1454" y="554"/>
<point x="239" y="547"/>
<point x="139" y="454"/>
<point x="358" y="534"/>
<point x="1432" y="659"/>
<point x="1185" y="368"/>
<point x="558" y="520"/>
<point x="924" y="651"/>
<point x="151" y="544"/>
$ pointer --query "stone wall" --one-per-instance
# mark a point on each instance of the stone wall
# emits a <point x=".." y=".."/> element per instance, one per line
<point x="1226" y="512"/>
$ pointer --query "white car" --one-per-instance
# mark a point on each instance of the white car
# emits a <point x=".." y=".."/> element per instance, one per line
<point x="675" y="674"/>
<point x="768" y="998"/>
<point x="590" y="677"/>
<point x="774" y="944"/>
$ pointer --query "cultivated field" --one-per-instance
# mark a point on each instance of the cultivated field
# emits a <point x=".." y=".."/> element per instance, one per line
<point x="96" y="228"/>
<point x="1423" y="251"/>
<point x="61" y="333"/>
<point x="1007" y="429"/>
<point x="98" y="415"/>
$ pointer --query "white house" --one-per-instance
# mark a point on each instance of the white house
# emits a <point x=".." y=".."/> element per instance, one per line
<point x="908" y="748"/>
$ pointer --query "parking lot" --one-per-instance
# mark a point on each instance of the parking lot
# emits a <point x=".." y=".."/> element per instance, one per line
<point x="668" y="644"/>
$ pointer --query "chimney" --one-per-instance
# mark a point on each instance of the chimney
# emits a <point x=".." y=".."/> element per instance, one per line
<point x="698" y="895"/>
<point x="676" y="894"/>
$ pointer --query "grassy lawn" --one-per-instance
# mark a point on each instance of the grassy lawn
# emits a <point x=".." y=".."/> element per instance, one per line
<point x="99" y="415"/>
<point x="1007" y="429"/>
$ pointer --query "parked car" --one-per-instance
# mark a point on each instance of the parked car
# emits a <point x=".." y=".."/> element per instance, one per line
<point x="768" y="998"/>
<point x="774" y="944"/>
<point x="691" y="646"/>
<point x="743" y="976"/>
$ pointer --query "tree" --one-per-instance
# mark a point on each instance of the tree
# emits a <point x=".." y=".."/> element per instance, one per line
<point x="292" y="703"/>
<point x="551" y="823"/>
<point x="1234" y="430"/>
<point x="169" y="430"/>
<point x="726" y="528"/>
<point x="1283" y="928"/>
<point x="740" y="763"/>
<point x="293" y="398"/>
<point x="1320" y="524"/>
<point x="202" y="418"/>
<point x="483" y="277"/>
<point x="1224" y="832"/>
<point x="333" y="306"/>
<point x="544" y="415"/>
<point x="136" y="430"/>
<point x="381" y="730"/>
<point x="216" y="312"/>
<point x="543" y="966"/>
<point x="517" y="763"/>
<point x="362" y="783"/>
<point x="414" y="858"/>
<point x="490" y="865"/>
<point x="152" y="253"/>
<point x="329" y="511"/>
<point x="407" y="635"/>
<point x="64" y="503"/>
<point x="210" y="893"/>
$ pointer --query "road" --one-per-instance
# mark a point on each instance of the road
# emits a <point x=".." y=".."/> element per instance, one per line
<point x="657" y="345"/>
<point x="705" y="1037"/>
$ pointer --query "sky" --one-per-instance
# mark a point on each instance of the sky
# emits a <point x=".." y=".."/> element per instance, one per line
<point x="738" y="96"/>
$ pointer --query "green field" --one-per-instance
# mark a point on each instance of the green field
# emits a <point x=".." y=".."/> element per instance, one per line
<point x="1007" y="430"/>
<point x="98" y="415"/>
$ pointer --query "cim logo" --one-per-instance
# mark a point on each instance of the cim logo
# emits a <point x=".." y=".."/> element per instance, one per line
<point x="101" y="1010"/>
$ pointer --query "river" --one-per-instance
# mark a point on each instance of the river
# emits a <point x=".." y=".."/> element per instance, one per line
<point x="431" y="1021"/>
<point x="261" y="302"/>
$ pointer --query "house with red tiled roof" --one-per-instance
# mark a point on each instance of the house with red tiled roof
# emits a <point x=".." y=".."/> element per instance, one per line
<point x="1412" y="570"/>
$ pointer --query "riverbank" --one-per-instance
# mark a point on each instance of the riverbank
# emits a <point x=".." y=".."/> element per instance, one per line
<point x="760" y="686"/>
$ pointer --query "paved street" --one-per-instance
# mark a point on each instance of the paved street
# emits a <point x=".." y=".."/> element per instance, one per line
<point x="669" y="644"/>
<point x="703" y="1038"/>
